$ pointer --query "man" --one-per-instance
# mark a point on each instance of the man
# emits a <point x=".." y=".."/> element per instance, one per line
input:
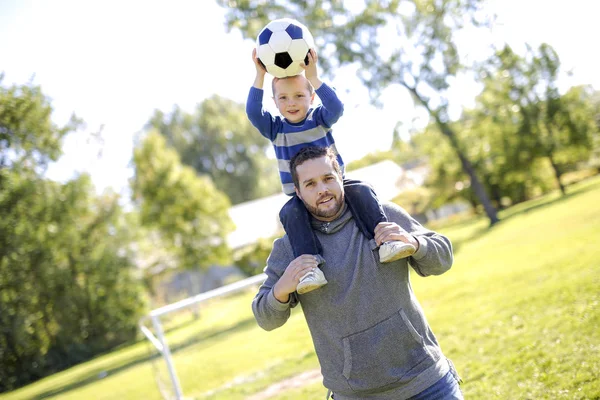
<point x="369" y="331"/>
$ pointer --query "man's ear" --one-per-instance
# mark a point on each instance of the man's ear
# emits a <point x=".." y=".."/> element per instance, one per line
<point x="297" y="192"/>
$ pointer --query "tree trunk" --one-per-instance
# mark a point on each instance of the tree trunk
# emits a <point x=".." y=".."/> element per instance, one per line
<point x="550" y="152"/>
<point x="557" y="174"/>
<point x="466" y="164"/>
<point x="496" y="196"/>
<point x="469" y="170"/>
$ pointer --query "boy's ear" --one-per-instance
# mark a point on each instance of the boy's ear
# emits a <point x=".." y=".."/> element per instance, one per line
<point x="312" y="97"/>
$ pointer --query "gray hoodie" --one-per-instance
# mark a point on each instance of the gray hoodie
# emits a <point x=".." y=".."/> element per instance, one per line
<point x="370" y="334"/>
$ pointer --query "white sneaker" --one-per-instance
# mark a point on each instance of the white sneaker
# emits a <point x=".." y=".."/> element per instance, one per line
<point x="313" y="279"/>
<point x="392" y="251"/>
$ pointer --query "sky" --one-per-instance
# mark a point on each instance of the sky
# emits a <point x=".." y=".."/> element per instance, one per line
<point x="113" y="63"/>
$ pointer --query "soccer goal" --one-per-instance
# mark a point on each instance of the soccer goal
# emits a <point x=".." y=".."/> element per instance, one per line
<point x="157" y="338"/>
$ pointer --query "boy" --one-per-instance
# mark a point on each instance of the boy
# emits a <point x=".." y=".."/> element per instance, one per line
<point x="301" y="126"/>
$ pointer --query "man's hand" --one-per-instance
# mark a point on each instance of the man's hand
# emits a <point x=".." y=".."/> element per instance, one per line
<point x="310" y="70"/>
<point x="291" y="276"/>
<point x="390" y="231"/>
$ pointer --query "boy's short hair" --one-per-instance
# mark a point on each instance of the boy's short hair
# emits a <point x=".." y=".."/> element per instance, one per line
<point x="275" y="80"/>
<point x="311" y="153"/>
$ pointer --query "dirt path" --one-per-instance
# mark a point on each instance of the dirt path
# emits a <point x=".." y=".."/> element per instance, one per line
<point x="305" y="378"/>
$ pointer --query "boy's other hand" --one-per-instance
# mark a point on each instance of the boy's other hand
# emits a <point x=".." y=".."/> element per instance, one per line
<point x="390" y="231"/>
<point x="260" y="70"/>
<point x="287" y="283"/>
<point x="310" y="70"/>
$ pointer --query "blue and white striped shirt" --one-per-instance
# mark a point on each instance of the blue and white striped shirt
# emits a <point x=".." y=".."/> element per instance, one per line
<point x="289" y="138"/>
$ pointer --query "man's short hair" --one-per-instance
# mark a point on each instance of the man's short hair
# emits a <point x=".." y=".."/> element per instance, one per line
<point x="275" y="80"/>
<point x="311" y="153"/>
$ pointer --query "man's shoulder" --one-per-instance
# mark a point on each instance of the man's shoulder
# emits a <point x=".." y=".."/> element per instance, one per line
<point x="389" y="205"/>
<point x="281" y="252"/>
<point x="281" y="242"/>
<point x="393" y="211"/>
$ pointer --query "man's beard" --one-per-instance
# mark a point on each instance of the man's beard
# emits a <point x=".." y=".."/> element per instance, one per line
<point x="331" y="212"/>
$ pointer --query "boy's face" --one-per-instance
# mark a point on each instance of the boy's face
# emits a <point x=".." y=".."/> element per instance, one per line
<point x="293" y="98"/>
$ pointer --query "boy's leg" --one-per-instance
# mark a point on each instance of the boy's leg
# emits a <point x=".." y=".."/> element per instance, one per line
<point x="364" y="205"/>
<point x="367" y="212"/>
<point x="296" y="221"/>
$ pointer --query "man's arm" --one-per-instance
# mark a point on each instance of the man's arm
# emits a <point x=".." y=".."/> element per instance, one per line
<point x="434" y="251"/>
<point x="271" y="305"/>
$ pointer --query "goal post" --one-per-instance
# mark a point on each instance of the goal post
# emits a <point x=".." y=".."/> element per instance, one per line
<point x="158" y="339"/>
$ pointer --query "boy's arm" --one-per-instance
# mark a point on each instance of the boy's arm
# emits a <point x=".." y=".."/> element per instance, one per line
<point x="332" y="108"/>
<point x="261" y="119"/>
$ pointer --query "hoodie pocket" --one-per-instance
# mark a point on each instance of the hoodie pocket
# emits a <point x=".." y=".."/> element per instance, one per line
<point x="384" y="355"/>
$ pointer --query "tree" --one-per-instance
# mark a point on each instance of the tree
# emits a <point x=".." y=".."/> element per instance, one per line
<point x="28" y="137"/>
<point x="67" y="290"/>
<point x="218" y="140"/>
<point x="424" y="61"/>
<point x="188" y="211"/>
<point x="595" y="104"/>
<point x="557" y="127"/>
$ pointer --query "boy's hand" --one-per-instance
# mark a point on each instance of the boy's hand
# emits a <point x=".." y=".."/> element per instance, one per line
<point x="259" y="80"/>
<point x="287" y="283"/>
<point x="260" y="70"/>
<point x="389" y="231"/>
<point x="310" y="70"/>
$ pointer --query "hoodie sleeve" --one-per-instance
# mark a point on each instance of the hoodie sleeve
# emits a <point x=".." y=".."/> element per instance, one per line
<point x="434" y="256"/>
<point x="269" y="312"/>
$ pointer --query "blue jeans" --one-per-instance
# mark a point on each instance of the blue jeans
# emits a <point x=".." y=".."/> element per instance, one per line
<point x="445" y="389"/>
<point x="362" y="202"/>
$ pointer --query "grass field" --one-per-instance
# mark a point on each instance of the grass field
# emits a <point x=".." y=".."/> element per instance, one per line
<point x="518" y="314"/>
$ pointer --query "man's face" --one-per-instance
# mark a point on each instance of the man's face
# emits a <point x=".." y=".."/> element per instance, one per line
<point x="292" y="97"/>
<point x="321" y="188"/>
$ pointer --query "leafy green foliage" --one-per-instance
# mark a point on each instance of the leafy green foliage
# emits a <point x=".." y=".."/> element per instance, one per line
<point x="252" y="259"/>
<point x="67" y="291"/>
<point x="188" y="211"/>
<point x="513" y="144"/>
<point x="521" y="92"/>
<point x="28" y="137"/>
<point x="219" y="141"/>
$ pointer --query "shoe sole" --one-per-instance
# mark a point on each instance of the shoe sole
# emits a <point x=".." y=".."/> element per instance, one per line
<point x="403" y="254"/>
<point x="309" y="287"/>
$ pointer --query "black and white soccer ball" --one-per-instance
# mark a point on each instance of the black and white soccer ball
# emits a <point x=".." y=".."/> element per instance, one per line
<point x="282" y="46"/>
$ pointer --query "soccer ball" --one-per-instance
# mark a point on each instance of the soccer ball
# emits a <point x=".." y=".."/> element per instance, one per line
<point x="282" y="45"/>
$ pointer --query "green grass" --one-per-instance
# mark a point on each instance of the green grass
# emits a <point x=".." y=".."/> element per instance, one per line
<point x="518" y="314"/>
